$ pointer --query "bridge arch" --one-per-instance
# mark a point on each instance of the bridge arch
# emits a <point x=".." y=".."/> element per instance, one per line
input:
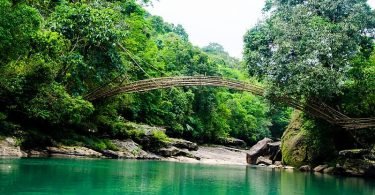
<point x="317" y="109"/>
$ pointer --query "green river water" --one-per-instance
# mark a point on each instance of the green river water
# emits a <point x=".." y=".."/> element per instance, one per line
<point x="81" y="177"/>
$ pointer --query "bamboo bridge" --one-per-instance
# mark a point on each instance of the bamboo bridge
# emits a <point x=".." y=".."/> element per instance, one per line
<point x="317" y="109"/>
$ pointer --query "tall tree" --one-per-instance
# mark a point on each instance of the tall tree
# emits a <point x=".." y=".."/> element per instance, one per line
<point x="305" y="47"/>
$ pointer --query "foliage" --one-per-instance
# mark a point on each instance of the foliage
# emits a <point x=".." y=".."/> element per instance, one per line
<point x="245" y="114"/>
<point x="18" y="23"/>
<point x="53" y="104"/>
<point x="359" y="88"/>
<point x="160" y="136"/>
<point x="53" y="53"/>
<point x="304" y="49"/>
<point x="280" y="118"/>
<point x="220" y="56"/>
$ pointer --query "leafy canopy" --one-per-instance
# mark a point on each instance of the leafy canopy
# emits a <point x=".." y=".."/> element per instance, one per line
<point x="304" y="48"/>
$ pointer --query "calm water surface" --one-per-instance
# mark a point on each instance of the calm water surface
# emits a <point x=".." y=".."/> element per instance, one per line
<point x="81" y="177"/>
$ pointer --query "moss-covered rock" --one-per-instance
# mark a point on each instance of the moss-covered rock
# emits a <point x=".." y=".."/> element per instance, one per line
<point x="294" y="142"/>
<point x="307" y="142"/>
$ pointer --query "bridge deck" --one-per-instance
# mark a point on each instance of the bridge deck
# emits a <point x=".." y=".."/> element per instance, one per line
<point x="319" y="110"/>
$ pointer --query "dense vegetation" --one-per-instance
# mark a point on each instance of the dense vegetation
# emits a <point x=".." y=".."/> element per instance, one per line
<point x="53" y="53"/>
<point x="318" y="51"/>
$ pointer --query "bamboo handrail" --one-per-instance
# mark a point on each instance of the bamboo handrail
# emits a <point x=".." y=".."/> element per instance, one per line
<point x="317" y="109"/>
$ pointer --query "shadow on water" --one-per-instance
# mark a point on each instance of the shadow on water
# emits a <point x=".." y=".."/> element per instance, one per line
<point x="71" y="176"/>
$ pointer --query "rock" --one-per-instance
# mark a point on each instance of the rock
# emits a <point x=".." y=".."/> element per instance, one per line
<point x="151" y="156"/>
<point x="275" y="145"/>
<point x="278" y="163"/>
<point x="294" y="142"/>
<point x="359" y="167"/>
<point x="71" y="151"/>
<point x="234" y="142"/>
<point x="263" y="160"/>
<point x="275" y="166"/>
<point x="37" y="153"/>
<point x="288" y="167"/>
<point x="329" y="170"/>
<point x="128" y="149"/>
<point x="320" y="168"/>
<point x="169" y="152"/>
<point x="173" y="151"/>
<point x="262" y="165"/>
<point x="180" y="143"/>
<point x="9" y="148"/>
<point x="257" y="150"/>
<point x="24" y="154"/>
<point x="300" y="142"/>
<point x="274" y="151"/>
<point x="354" y="153"/>
<point x="147" y="136"/>
<point x="112" y="154"/>
<point x="272" y="166"/>
<point x="305" y="168"/>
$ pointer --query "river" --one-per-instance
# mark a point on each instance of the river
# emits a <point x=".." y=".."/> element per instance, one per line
<point x="81" y="177"/>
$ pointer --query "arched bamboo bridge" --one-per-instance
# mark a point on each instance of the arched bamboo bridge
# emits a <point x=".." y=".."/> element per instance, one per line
<point x="317" y="109"/>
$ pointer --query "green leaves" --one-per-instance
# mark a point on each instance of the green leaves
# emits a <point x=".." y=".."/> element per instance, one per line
<point x="54" y="52"/>
<point x="245" y="114"/>
<point x="54" y="105"/>
<point x="18" y="24"/>
<point x="304" y="49"/>
<point x="86" y="24"/>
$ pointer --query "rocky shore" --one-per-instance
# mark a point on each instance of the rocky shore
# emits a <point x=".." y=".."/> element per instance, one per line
<point x="177" y="150"/>
<point x="356" y="162"/>
<point x="266" y="153"/>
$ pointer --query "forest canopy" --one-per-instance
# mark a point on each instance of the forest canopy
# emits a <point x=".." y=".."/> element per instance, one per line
<point x="53" y="53"/>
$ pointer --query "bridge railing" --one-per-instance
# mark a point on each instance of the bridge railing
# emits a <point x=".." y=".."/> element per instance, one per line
<point x="314" y="108"/>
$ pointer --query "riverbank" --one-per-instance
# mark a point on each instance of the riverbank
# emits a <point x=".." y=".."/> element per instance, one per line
<point x="151" y="143"/>
<point x="215" y="155"/>
<point x="128" y="149"/>
<point x="178" y="150"/>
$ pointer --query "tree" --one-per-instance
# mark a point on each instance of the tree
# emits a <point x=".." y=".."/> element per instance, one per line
<point x="18" y="24"/>
<point x="304" y="48"/>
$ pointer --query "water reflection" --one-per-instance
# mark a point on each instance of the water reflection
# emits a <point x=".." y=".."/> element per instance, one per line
<point x="69" y="176"/>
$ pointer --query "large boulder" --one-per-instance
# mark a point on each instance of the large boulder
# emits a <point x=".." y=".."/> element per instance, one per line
<point x="320" y="168"/>
<point x="294" y="143"/>
<point x="169" y="151"/>
<point x="9" y="148"/>
<point x="184" y="144"/>
<point x="305" y="168"/>
<point x="263" y="160"/>
<point x="329" y="170"/>
<point x="73" y="151"/>
<point x="259" y="149"/>
<point x="307" y="141"/>
<point x="173" y="151"/>
<point x="128" y="149"/>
